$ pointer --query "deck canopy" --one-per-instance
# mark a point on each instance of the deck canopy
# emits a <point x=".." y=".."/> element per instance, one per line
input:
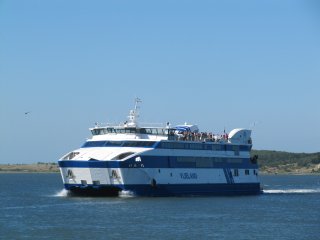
<point x="186" y="128"/>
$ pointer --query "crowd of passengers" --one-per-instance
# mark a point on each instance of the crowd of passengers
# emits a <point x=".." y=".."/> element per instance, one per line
<point x="197" y="136"/>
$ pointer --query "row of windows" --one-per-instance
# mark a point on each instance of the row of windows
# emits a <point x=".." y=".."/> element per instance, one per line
<point x="203" y="146"/>
<point x="118" y="144"/>
<point x="246" y="172"/>
<point x="152" y="131"/>
<point x="168" y="145"/>
<point x="206" y="161"/>
<point x="138" y="144"/>
<point x="209" y="159"/>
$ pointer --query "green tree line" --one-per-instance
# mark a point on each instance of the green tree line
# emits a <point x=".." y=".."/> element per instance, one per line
<point x="268" y="158"/>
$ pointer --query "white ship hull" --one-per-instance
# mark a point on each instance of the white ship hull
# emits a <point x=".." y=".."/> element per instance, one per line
<point x="146" y="174"/>
<point x="161" y="161"/>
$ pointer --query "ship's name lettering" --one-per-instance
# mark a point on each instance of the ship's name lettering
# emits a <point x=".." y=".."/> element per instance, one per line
<point x="188" y="175"/>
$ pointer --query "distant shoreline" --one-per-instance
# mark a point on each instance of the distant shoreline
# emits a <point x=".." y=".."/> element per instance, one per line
<point x="29" y="168"/>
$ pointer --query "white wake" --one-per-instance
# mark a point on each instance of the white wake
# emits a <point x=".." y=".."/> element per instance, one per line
<point x="62" y="193"/>
<point x="126" y="194"/>
<point x="288" y="191"/>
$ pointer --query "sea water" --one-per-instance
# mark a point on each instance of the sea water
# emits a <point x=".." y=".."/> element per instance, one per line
<point x="35" y="206"/>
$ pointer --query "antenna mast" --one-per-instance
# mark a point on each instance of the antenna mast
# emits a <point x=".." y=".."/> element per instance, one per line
<point x="134" y="114"/>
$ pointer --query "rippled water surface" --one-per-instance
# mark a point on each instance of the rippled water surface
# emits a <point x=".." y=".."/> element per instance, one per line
<point x="34" y="206"/>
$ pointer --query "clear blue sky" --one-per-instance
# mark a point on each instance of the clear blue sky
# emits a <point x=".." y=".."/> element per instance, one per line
<point x="214" y="63"/>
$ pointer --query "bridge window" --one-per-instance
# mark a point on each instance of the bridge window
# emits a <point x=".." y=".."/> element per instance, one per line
<point x="235" y="172"/>
<point x="130" y="130"/>
<point x="94" y="144"/>
<point x="120" y="130"/>
<point x="110" y="130"/>
<point x="97" y="131"/>
<point x="161" y="131"/>
<point x="153" y="131"/>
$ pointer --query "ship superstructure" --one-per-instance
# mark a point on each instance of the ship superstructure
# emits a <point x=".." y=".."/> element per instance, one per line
<point x="161" y="161"/>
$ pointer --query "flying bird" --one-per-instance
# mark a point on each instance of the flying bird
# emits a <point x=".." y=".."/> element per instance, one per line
<point x="26" y="113"/>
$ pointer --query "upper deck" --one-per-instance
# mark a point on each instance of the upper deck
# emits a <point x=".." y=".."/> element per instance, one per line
<point x="130" y="130"/>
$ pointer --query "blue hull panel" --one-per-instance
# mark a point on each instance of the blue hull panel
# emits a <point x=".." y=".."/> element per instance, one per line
<point x="168" y="189"/>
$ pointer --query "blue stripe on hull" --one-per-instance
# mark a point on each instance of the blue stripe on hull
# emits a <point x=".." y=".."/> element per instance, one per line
<point x="89" y="164"/>
<point x="154" y="162"/>
<point x="169" y="189"/>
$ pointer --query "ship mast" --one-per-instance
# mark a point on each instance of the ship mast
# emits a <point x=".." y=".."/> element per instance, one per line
<point x="134" y="114"/>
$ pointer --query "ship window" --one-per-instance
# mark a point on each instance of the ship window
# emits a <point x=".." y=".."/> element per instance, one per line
<point x="94" y="144"/>
<point x="122" y="155"/>
<point x="235" y="148"/>
<point x="120" y="130"/>
<point x="129" y="144"/>
<point x="218" y="160"/>
<point x="165" y="145"/>
<point x="186" y="159"/>
<point x="174" y="145"/>
<point x="153" y="131"/>
<point x="178" y="145"/>
<point x="84" y="183"/>
<point x="96" y="183"/>
<point x="160" y="131"/>
<point x="234" y="160"/>
<point x="138" y="144"/>
<point x="216" y="147"/>
<point x="114" y="143"/>
<point x="203" y="162"/>
<point x="148" y="144"/>
<point x="246" y="172"/>
<point x="130" y="130"/>
<point x="70" y="155"/>
<point x="110" y="130"/>
<point x="149" y="130"/>
<point x="208" y="147"/>
<point x="196" y="146"/>
<point x="236" y="172"/>
<point x="244" y="148"/>
<point x="97" y="131"/>
<point x="142" y="131"/>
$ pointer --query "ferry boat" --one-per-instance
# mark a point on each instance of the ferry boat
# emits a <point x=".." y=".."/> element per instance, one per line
<point x="161" y="161"/>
